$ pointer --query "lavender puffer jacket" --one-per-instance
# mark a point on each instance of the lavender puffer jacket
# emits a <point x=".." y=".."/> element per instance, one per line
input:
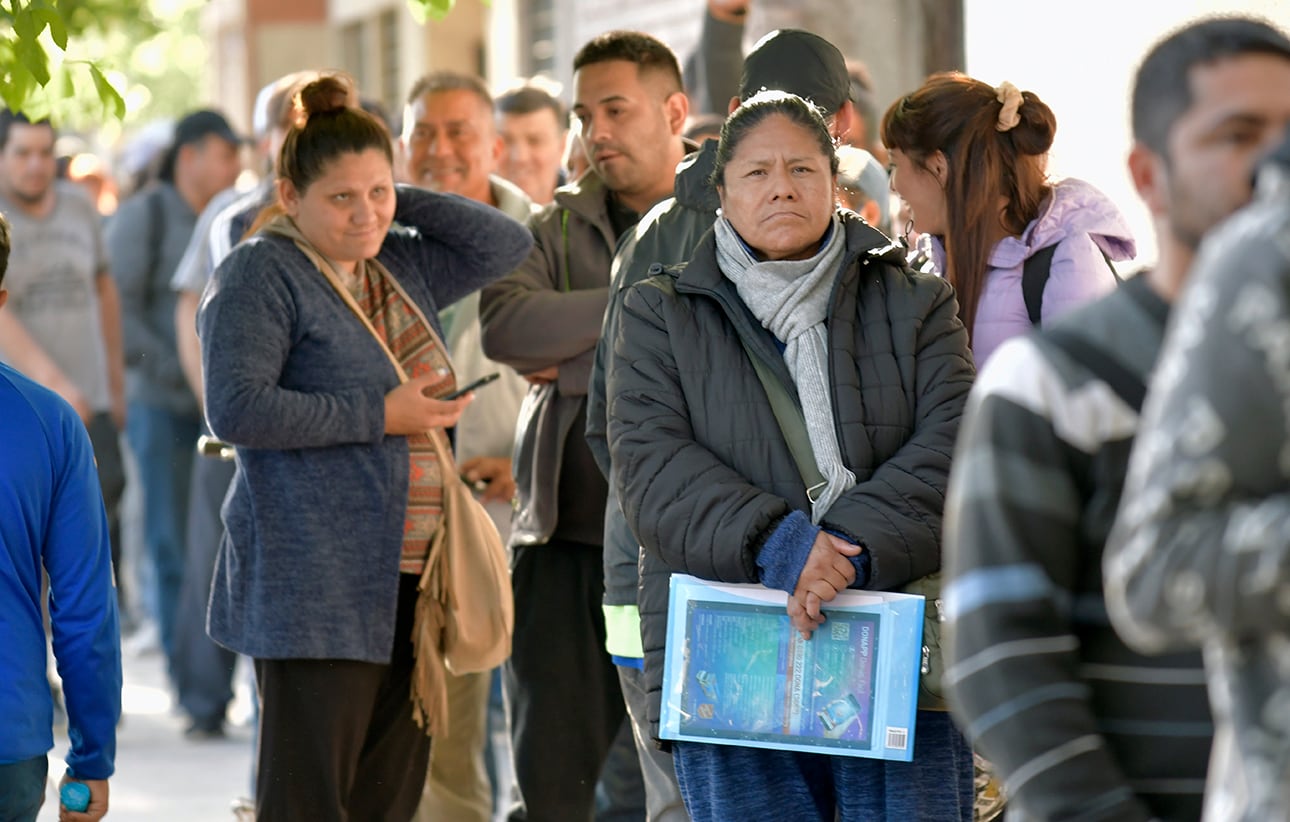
<point x="1084" y="223"/>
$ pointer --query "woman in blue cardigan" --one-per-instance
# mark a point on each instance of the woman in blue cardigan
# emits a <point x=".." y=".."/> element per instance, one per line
<point x="338" y="486"/>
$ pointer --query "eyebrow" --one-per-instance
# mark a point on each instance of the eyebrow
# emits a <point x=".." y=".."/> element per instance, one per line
<point x="791" y="160"/>
<point x="603" y="101"/>
<point x="1235" y="117"/>
<point x="457" y="122"/>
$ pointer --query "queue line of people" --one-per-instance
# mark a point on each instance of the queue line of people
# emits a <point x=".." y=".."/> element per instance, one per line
<point x="627" y="455"/>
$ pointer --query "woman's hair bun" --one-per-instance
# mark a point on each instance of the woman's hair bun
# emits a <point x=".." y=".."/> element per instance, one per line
<point x="331" y="92"/>
<point x="1038" y="126"/>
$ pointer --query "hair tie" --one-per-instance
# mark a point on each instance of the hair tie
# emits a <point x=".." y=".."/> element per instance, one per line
<point x="1010" y="96"/>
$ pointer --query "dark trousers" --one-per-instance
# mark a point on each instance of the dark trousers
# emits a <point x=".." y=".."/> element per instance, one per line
<point x="106" y="442"/>
<point x="22" y="789"/>
<point x="203" y="670"/>
<point x="337" y="740"/>
<point x="728" y="782"/>
<point x="566" y="706"/>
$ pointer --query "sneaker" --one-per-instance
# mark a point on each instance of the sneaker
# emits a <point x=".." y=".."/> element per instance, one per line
<point x="990" y="801"/>
<point x="243" y="809"/>
<point x="145" y="641"/>
<point x="205" y="732"/>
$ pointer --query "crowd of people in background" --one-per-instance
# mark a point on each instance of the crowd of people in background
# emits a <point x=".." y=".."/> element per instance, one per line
<point x="996" y="411"/>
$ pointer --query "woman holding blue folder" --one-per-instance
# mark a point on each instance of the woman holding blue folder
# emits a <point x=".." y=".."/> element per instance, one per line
<point x="788" y="295"/>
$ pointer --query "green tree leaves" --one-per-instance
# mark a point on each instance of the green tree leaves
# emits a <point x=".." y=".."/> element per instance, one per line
<point x="423" y="10"/>
<point x="30" y="30"/>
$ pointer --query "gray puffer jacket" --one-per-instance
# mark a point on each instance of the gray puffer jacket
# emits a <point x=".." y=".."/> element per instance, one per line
<point x="701" y="468"/>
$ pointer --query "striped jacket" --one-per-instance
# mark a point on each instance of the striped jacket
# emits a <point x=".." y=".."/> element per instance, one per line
<point x="1200" y="555"/>
<point x="1077" y="724"/>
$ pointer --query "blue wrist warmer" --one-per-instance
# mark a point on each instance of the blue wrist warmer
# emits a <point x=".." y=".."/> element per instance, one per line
<point x="784" y="554"/>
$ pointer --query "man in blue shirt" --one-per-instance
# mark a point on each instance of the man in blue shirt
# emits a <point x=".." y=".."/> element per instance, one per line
<point x="52" y="517"/>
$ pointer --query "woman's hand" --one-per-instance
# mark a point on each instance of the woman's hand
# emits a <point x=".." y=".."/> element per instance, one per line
<point x="828" y="571"/>
<point x="409" y="411"/>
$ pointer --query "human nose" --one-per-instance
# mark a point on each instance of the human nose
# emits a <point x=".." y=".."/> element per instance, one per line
<point x="363" y="212"/>
<point x="594" y="129"/>
<point x="782" y="187"/>
<point x="438" y="145"/>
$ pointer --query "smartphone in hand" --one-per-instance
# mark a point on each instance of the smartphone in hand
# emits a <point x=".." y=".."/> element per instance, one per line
<point x="479" y="383"/>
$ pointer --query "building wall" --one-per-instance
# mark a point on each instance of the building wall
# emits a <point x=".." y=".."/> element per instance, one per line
<point x="574" y="22"/>
<point x="1083" y="68"/>
<point x="381" y="44"/>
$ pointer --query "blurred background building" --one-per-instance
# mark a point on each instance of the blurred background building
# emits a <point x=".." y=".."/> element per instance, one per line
<point x="385" y="49"/>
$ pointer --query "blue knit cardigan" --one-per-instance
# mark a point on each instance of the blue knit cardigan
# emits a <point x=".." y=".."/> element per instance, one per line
<point x="309" y="563"/>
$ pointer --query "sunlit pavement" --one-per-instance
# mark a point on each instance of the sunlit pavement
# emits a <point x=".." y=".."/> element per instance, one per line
<point x="160" y="775"/>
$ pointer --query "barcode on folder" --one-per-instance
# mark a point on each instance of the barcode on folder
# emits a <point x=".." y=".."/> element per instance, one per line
<point x="897" y="738"/>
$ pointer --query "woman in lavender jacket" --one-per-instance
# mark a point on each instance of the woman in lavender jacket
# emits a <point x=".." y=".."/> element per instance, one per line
<point x="970" y="160"/>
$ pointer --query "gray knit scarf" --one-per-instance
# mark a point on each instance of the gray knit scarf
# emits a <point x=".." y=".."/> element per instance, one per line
<point x="791" y="300"/>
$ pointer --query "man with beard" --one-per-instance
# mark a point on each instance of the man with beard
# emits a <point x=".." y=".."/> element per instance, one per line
<point x="63" y="324"/>
<point x="545" y="320"/>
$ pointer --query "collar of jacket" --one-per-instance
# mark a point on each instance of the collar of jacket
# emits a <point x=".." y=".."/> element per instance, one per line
<point x="586" y="196"/>
<point x="702" y="276"/>
<point x="510" y="198"/>
<point x="694" y="188"/>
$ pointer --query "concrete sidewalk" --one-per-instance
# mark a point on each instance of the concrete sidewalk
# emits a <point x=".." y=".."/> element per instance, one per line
<point x="160" y="775"/>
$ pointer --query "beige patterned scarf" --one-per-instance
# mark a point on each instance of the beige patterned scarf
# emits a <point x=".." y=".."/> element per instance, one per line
<point x="394" y="318"/>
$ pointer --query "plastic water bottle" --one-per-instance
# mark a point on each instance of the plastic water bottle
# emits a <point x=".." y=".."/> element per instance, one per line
<point x="75" y="796"/>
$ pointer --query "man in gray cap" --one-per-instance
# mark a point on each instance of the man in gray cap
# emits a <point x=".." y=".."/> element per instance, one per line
<point x="785" y="60"/>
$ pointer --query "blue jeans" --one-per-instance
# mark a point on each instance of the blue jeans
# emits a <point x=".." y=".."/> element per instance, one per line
<point x="22" y="789"/>
<point x="202" y="670"/>
<point x="724" y="782"/>
<point x="164" y="446"/>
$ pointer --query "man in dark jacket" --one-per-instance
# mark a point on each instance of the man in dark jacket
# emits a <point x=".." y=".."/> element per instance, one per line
<point x="544" y="321"/>
<point x="789" y="60"/>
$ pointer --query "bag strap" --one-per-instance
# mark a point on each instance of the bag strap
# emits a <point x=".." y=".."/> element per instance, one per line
<point x="1034" y="278"/>
<point x="1127" y="385"/>
<point x="436" y="435"/>
<point x="1035" y="272"/>
<point x="792" y="424"/>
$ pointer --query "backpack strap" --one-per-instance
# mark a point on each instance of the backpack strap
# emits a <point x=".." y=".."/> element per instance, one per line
<point x="156" y="233"/>
<point x="1034" y="278"/>
<point x="1127" y="385"/>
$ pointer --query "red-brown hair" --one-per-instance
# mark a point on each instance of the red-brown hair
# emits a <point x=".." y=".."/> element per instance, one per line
<point x="957" y="115"/>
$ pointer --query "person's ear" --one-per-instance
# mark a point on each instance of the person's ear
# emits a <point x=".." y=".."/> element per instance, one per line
<point x="734" y="104"/>
<point x="498" y="151"/>
<point x="871" y="212"/>
<point x="939" y="165"/>
<point x="289" y="197"/>
<point x="4" y="297"/>
<point x="1150" y="177"/>
<point x="843" y="122"/>
<point x="721" y="195"/>
<point x="677" y="108"/>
